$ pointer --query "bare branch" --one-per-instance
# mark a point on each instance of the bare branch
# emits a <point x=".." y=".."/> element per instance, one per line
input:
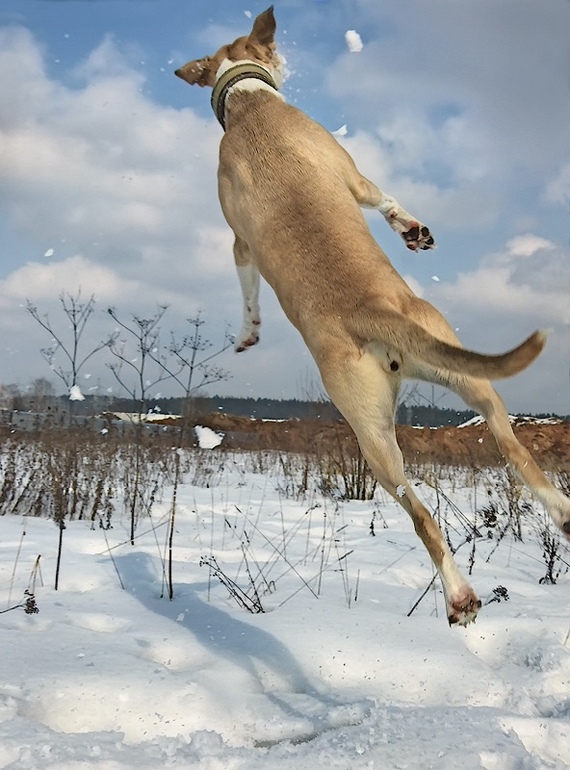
<point x="78" y="314"/>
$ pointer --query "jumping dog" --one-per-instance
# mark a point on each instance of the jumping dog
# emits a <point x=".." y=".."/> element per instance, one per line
<point x="293" y="196"/>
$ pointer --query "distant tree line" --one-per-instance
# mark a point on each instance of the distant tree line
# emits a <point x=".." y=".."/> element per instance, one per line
<point x="257" y="408"/>
<point x="41" y="397"/>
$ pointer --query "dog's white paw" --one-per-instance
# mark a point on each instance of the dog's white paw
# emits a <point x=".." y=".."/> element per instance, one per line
<point x="418" y="237"/>
<point x="248" y="336"/>
<point x="462" y="608"/>
<point x="415" y="234"/>
<point x="562" y="519"/>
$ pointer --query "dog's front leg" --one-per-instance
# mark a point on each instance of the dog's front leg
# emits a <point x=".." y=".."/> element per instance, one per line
<point x="249" y="281"/>
<point x="415" y="234"/>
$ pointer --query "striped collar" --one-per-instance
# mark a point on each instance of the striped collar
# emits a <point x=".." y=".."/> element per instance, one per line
<point x="232" y="76"/>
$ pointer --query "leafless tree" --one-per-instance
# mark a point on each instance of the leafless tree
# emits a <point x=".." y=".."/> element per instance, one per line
<point x="140" y="365"/>
<point x="65" y="357"/>
<point x="192" y="369"/>
<point x="136" y="352"/>
<point x="192" y="355"/>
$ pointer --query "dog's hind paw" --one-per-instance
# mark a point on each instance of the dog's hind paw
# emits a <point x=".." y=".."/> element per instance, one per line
<point x="462" y="609"/>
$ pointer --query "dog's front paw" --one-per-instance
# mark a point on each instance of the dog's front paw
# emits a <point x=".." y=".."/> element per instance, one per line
<point x="415" y="234"/>
<point x="249" y="336"/>
<point x="418" y="237"/>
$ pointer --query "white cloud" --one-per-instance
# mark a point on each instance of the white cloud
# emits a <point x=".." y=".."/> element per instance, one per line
<point x="495" y="306"/>
<point x="104" y="169"/>
<point x="528" y="280"/>
<point x="122" y="190"/>
<point x="558" y="189"/>
<point x="469" y="95"/>
<point x="527" y="246"/>
<point x="43" y="282"/>
<point x="453" y="207"/>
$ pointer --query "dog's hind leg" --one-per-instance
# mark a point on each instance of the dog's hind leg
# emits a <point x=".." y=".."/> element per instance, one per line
<point x="249" y="281"/>
<point x="365" y="394"/>
<point x="481" y="395"/>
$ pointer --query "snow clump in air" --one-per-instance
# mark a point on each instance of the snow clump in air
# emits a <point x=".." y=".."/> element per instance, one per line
<point x="342" y="131"/>
<point x="75" y="393"/>
<point x="353" y="41"/>
<point x="208" y="438"/>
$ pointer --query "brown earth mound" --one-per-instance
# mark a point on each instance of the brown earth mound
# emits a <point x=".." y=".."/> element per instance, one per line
<point x="472" y="445"/>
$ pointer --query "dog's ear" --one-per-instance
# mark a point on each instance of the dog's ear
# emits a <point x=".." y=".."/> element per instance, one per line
<point x="196" y="72"/>
<point x="264" y="27"/>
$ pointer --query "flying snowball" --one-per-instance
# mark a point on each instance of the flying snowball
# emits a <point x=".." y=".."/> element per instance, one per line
<point x="75" y="393"/>
<point x="353" y="41"/>
<point x="207" y="438"/>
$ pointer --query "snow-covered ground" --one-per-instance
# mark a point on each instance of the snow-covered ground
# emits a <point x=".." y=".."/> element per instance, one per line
<point x="333" y="674"/>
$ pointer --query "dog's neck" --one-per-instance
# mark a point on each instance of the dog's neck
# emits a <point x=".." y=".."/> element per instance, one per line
<point x="241" y="75"/>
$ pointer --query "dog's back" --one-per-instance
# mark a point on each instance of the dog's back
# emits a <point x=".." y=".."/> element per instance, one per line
<point x="283" y="184"/>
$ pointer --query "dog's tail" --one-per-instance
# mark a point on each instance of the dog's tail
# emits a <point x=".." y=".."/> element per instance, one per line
<point x="413" y="341"/>
<point x="490" y="367"/>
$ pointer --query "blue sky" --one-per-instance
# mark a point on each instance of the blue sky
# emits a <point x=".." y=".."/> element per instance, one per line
<point x="108" y="163"/>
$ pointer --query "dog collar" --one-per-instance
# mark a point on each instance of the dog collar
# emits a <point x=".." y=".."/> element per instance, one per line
<point x="229" y="79"/>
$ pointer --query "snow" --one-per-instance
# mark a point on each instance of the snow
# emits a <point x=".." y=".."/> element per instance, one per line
<point x="342" y="131"/>
<point x="75" y="393"/>
<point x="274" y="419"/>
<point x="146" y="417"/>
<point x="207" y="438"/>
<point x="516" y="420"/>
<point x="332" y="675"/>
<point x="353" y="41"/>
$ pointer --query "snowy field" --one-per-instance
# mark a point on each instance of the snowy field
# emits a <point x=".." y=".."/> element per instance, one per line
<point x="334" y="673"/>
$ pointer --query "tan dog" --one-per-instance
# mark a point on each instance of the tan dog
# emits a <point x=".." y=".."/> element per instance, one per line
<point x="292" y="196"/>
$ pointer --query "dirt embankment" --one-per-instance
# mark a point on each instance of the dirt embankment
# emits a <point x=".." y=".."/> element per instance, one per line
<point x="471" y="445"/>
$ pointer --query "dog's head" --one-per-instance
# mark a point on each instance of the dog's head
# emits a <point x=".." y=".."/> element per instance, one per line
<point x="258" y="47"/>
